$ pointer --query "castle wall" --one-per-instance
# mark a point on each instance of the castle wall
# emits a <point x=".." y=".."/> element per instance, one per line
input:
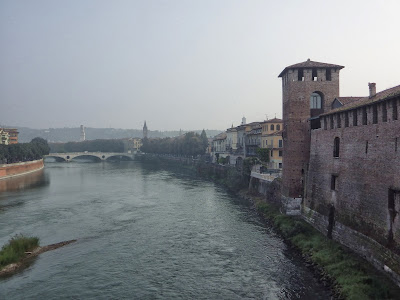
<point x="357" y="194"/>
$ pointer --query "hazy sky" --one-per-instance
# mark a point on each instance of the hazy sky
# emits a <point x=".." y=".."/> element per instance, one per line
<point x="181" y="64"/>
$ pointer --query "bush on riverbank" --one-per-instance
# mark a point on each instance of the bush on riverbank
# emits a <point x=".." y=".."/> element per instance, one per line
<point x="15" y="249"/>
<point x="353" y="277"/>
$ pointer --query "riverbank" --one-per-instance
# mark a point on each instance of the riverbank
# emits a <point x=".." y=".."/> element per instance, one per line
<point x="21" y="168"/>
<point x="349" y="276"/>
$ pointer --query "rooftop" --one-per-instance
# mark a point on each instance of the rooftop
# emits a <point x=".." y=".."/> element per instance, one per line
<point x="308" y="64"/>
<point x="384" y="95"/>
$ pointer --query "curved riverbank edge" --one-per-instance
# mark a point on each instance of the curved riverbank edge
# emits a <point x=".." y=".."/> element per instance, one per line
<point x="13" y="268"/>
<point x="19" y="169"/>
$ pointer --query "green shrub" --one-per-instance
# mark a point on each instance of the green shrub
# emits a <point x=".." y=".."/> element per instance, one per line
<point x="15" y="249"/>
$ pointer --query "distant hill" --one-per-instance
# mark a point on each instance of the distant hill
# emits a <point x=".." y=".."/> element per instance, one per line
<point x="62" y="135"/>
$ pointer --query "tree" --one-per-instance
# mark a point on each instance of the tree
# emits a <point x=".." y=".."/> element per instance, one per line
<point x="263" y="154"/>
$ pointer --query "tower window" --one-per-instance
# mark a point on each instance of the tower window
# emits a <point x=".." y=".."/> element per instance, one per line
<point x="333" y="182"/>
<point x="365" y="116"/>
<point x="315" y="101"/>
<point x="394" y="109"/>
<point x="314" y="75"/>
<point x="300" y="75"/>
<point x="355" y="117"/>
<point x="328" y="75"/>
<point x="375" y="114"/>
<point x="338" y="120"/>
<point x="346" y="119"/>
<point x="384" y="112"/>
<point x="336" y="147"/>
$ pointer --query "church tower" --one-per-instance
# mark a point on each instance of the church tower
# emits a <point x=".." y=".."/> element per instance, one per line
<point x="83" y="135"/>
<point x="145" y="130"/>
<point x="308" y="90"/>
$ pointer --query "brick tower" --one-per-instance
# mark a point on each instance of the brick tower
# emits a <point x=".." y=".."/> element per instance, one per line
<point x="308" y="89"/>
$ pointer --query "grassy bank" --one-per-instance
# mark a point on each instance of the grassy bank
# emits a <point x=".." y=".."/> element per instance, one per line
<point x="352" y="277"/>
<point x="15" y="249"/>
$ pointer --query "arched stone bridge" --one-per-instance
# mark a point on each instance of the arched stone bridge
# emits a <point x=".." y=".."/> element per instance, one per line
<point x="102" y="155"/>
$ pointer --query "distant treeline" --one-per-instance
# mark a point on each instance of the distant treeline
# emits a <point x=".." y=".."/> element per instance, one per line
<point x="64" y="135"/>
<point x="190" y="144"/>
<point x="24" y="152"/>
<point x="90" y="146"/>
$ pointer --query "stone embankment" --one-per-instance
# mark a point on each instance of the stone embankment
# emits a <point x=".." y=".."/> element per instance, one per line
<point x="15" y="267"/>
<point x="22" y="168"/>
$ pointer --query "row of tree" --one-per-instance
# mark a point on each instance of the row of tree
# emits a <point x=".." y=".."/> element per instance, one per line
<point x="24" y="152"/>
<point x="189" y="144"/>
<point x="90" y="146"/>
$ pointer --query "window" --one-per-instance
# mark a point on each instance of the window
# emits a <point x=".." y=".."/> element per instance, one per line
<point x="331" y="119"/>
<point x="300" y="75"/>
<point x="394" y="109"/>
<point x="278" y="127"/>
<point x="272" y="153"/>
<point x="280" y="143"/>
<point x="366" y="147"/>
<point x="325" y="123"/>
<point x="384" y="112"/>
<point x="280" y="153"/>
<point x="336" y="147"/>
<point x="280" y="165"/>
<point x="346" y="119"/>
<point x="374" y="114"/>
<point x="272" y="127"/>
<point x="314" y="75"/>
<point x="315" y="101"/>
<point x="333" y="182"/>
<point x="328" y="75"/>
<point x="339" y="123"/>
<point x="355" y="117"/>
<point x="365" y="116"/>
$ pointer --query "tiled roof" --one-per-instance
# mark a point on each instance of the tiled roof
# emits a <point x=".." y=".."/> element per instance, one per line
<point x="310" y="64"/>
<point x="386" y="94"/>
<point x="220" y="136"/>
<point x="347" y="100"/>
<point x="274" y="120"/>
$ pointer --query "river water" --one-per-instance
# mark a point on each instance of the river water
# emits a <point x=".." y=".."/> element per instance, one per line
<point x="144" y="233"/>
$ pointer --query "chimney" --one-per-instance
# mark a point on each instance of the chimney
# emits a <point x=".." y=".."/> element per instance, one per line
<point x="372" y="89"/>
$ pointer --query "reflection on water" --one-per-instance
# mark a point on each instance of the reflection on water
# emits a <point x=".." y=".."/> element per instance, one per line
<point x="28" y="181"/>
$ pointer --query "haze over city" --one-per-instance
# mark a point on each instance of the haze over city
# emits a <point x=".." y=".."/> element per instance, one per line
<point x="181" y="64"/>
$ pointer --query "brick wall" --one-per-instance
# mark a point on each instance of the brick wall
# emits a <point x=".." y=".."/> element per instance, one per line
<point x="296" y="114"/>
<point x="10" y="170"/>
<point x="366" y="171"/>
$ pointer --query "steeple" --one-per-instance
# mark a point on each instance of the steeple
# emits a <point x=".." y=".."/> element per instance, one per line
<point x="145" y="130"/>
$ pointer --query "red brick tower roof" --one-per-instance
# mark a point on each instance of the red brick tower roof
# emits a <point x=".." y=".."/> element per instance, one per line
<point x="308" y="64"/>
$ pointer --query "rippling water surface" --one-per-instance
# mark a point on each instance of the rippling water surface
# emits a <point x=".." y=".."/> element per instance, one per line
<point x="145" y="233"/>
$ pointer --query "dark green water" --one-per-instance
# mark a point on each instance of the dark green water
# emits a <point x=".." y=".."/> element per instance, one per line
<point x="144" y="233"/>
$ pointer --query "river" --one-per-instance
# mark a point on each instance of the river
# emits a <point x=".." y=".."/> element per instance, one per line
<point x="144" y="233"/>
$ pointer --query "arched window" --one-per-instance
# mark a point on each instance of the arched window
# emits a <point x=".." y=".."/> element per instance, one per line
<point x="278" y="127"/>
<point x="315" y="101"/>
<point x="336" y="147"/>
<point x="272" y="127"/>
